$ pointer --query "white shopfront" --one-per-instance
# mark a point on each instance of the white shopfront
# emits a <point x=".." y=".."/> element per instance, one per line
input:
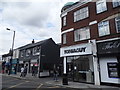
<point x="81" y="60"/>
<point x="109" y="59"/>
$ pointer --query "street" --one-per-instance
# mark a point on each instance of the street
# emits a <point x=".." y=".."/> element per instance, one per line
<point x="11" y="83"/>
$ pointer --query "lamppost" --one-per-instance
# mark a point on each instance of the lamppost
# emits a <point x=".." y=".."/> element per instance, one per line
<point x="11" y="50"/>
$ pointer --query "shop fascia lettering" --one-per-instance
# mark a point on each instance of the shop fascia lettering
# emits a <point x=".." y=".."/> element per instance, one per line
<point x="75" y="50"/>
<point x="80" y="49"/>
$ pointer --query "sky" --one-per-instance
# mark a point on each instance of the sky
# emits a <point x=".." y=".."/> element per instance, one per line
<point x="30" y="19"/>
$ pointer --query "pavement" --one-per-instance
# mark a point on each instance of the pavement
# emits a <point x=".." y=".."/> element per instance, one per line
<point x="71" y="84"/>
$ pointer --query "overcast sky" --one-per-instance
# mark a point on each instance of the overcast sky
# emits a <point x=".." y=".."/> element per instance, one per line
<point x="31" y="19"/>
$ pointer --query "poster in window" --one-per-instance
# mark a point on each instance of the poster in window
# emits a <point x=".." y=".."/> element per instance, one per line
<point x="112" y="70"/>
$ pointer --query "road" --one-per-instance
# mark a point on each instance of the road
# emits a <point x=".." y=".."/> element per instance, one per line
<point x="11" y="83"/>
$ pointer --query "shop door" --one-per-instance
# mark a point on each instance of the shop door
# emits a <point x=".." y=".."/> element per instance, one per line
<point x="82" y="72"/>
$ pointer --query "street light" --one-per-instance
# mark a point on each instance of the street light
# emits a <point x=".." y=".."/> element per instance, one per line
<point x="11" y="50"/>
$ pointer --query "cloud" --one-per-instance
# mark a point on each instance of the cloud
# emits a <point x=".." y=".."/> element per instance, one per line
<point x="31" y="19"/>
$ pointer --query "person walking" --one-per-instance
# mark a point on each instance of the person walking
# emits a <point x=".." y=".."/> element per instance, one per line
<point x="25" y="71"/>
<point x="22" y="72"/>
<point x="55" y="75"/>
<point x="33" y="70"/>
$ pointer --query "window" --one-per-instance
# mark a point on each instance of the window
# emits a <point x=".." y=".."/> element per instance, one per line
<point x="117" y="20"/>
<point x="116" y="3"/>
<point x="81" y="14"/>
<point x="64" y="21"/>
<point x="36" y="50"/>
<point x="101" y="6"/>
<point x="103" y="28"/>
<point x="82" y="34"/>
<point x="28" y="52"/>
<point x="64" y="38"/>
<point x="22" y="54"/>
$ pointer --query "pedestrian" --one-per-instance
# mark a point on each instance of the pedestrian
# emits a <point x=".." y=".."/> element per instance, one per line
<point x="33" y="70"/>
<point x="55" y="75"/>
<point x="25" y="71"/>
<point x="22" y="72"/>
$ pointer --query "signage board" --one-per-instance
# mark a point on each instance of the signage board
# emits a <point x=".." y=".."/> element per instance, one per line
<point x="80" y="49"/>
<point x="109" y="47"/>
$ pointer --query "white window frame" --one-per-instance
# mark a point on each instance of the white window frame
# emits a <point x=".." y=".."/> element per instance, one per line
<point x="28" y="52"/>
<point x="103" y="28"/>
<point x="117" y="19"/>
<point x="101" y="6"/>
<point x="64" y="38"/>
<point x="116" y="3"/>
<point x="22" y="53"/>
<point x="81" y="14"/>
<point x="36" y="50"/>
<point x="82" y="34"/>
<point x="64" y="21"/>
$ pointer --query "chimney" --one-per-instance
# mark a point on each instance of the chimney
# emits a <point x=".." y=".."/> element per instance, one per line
<point x="33" y="41"/>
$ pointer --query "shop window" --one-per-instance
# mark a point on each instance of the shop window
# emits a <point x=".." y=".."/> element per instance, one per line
<point x="101" y="6"/>
<point x="113" y="70"/>
<point x="116" y="3"/>
<point x="64" y="38"/>
<point x="117" y="20"/>
<point x="64" y="21"/>
<point x="82" y="34"/>
<point x="103" y="28"/>
<point x="36" y="50"/>
<point x="81" y="14"/>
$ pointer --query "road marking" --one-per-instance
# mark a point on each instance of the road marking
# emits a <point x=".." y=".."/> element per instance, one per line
<point x="16" y="85"/>
<point x="9" y="81"/>
<point x="39" y="86"/>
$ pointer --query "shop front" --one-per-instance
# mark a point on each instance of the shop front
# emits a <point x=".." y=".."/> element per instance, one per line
<point x="108" y="53"/>
<point x="80" y="64"/>
<point x="14" y="66"/>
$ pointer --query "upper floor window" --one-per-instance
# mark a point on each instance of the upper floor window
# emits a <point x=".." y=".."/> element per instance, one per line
<point x="82" y="34"/>
<point x="22" y="53"/>
<point x="103" y="28"/>
<point x="28" y="52"/>
<point x="81" y="14"/>
<point x="36" y="50"/>
<point x="116" y="3"/>
<point x="117" y="20"/>
<point x="64" y="38"/>
<point x="101" y="6"/>
<point x="64" y="21"/>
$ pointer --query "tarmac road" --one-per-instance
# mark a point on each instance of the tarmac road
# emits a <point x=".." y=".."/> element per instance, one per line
<point x="11" y="83"/>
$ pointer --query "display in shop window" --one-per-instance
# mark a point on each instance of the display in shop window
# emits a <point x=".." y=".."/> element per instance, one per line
<point x="113" y="70"/>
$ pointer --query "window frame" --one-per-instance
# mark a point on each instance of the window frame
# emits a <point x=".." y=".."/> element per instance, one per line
<point x="64" y="38"/>
<point x="64" y="21"/>
<point x="116" y="24"/>
<point x="81" y="12"/>
<point x="101" y="6"/>
<point x="102" y="28"/>
<point x="77" y="34"/>
<point x="115" y="3"/>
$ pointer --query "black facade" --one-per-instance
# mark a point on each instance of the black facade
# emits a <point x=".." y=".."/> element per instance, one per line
<point x="44" y="54"/>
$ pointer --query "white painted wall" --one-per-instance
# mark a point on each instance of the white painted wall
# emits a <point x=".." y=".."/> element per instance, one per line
<point x="104" y="70"/>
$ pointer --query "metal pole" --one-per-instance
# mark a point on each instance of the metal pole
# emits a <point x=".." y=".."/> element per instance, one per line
<point x="11" y="51"/>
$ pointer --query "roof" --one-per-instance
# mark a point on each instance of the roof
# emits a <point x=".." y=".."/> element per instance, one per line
<point x="68" y="3"/>
<point x="35" y="44"/>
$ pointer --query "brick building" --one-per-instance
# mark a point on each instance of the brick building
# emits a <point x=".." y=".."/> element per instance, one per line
<point x="90" y="36"/>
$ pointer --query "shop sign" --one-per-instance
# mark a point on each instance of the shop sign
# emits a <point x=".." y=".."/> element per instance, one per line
<point x="14" y="61"/>
<point x="109" y="47"/>
<point x="81" y="49"/>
